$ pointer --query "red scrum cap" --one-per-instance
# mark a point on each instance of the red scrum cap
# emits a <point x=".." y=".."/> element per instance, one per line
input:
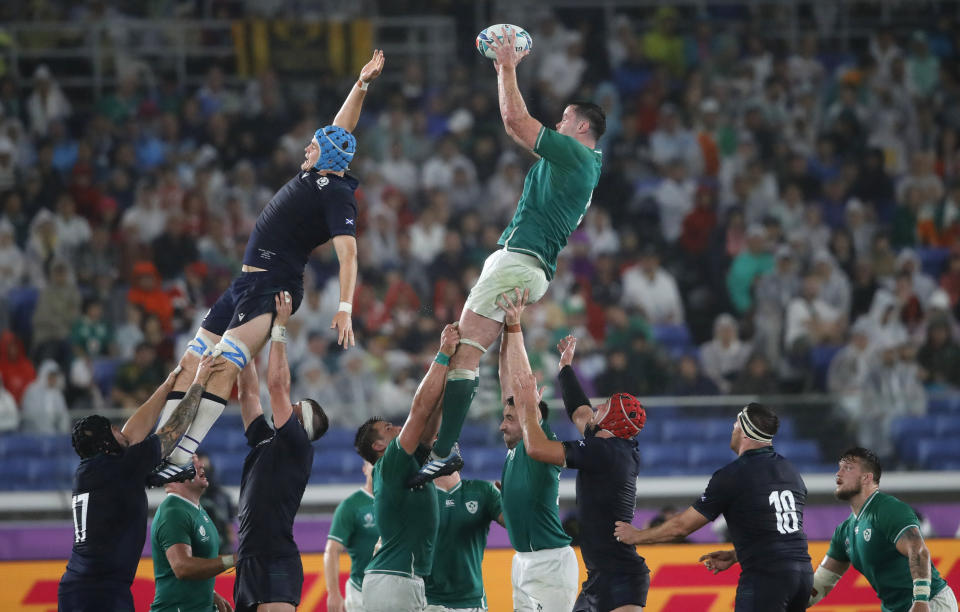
<point x="625" y="416"/>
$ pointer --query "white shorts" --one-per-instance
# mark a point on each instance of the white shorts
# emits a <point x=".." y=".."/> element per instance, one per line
<point x="392" y="593"/>
<point x="446" y="609"/>
<point x="945" y="601"/>
<point x="353" y="600"/>
<point x="502" y="271"/>
<point x="545" y="580"/>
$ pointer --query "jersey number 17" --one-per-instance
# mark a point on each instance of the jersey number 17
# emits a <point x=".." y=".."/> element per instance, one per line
<point x="785" y="508"/>
<point x="80" y="503"/>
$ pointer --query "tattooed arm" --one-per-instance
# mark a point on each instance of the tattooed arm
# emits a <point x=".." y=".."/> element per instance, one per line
<point x="186" y="410"/>
<point x="912" y="546"/>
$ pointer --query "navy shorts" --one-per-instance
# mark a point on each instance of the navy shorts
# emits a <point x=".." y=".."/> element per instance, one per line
<point x="786" y="590"/>
<point x="605" y="591"/>
<point x="92" y="599"/>
<point x="249" y="295"/>
<point x="267" y="580"/>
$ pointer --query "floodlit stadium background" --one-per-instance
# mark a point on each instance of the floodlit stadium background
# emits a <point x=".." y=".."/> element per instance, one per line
<point x="747" y="143"/>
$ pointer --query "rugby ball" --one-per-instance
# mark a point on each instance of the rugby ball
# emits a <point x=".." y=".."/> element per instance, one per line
<point x="521" y="38"/>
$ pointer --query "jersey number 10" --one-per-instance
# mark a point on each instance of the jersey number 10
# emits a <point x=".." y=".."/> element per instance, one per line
<point x="80" y="503"/>
<point x="785" y="508"/>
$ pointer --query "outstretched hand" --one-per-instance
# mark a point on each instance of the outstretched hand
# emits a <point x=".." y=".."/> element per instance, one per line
<point x="567" y="346"/>
<point x="449" y="338"/>
<point x="373" y="68"/>
<point x="719" y="560"/>
<point x="209" y="365"/>
<point x="625" y="532"/>
<point x="506" y="50"/>
<point x="513" y="307"/>
<point x="284" y="304"/>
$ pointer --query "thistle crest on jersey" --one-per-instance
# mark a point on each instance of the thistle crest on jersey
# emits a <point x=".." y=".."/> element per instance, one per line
<point x="337" y="147"/>
<point x="625" y="416"/>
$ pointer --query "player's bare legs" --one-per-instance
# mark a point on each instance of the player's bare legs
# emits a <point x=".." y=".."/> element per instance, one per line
<point x="477" y="333"/>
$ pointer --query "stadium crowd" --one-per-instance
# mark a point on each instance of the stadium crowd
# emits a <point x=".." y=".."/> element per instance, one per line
<point x="769" y="220"/>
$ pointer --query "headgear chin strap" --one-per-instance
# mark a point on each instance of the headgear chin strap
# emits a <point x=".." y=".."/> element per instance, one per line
<point x="750" y="430"/>
<point x="337" y="147"/>
<point x="625" y="416"/>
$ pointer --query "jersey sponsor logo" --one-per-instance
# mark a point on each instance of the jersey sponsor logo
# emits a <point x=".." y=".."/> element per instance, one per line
<point x="265" y="254"/>
<point x="866" y="534"/>
<point x="511" y="453"/>
<point x="322" y="182"/>
<point x="472" y="507"/>
<point x="368" y="520"/>
<point x="450" y="503"/>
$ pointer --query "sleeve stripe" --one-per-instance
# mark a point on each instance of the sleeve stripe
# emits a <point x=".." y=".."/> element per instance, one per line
<point x="335" y="538"/>
<point x="895" y="539"/>
<point x="536" y="145"/>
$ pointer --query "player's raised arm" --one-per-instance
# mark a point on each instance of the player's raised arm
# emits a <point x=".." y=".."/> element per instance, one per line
<point x="141" y="422"/>
<point x="517" y="121"/>
<point x="248" y="393"/>
<point x="278" y="370"/>
<point x="346" y="247"/>
<point x="349" y="113"/>
<point x="574" y="399"/>
<point x="429" y="392"/>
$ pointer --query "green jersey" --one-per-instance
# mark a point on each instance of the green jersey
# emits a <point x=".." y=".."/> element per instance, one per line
<point x="354" y="527"/>
<point x="531" y="501"/>
<point x="179" y="521"/>
<point x="556" y="195"/>
<point x="869" y="542"/>
<point x="466" y="511"/>
<point x="407" y="518"/>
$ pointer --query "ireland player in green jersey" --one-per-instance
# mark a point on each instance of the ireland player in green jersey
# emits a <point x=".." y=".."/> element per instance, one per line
<point x="882" y="540"/>
<point x="467" y="507"/>
<point x="185" y="547"/>
<point x="556" y="195"/>
<point x="355" y="531"/>
<point x="407" y="518"/>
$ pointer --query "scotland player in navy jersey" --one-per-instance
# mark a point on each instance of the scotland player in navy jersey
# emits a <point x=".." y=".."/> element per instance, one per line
<point x="314" y="207"/>
<point x="607" y="461"/>
<point x="761" y="496"/>
<point x="109" y="502"/>
<point x="275" y="474"/>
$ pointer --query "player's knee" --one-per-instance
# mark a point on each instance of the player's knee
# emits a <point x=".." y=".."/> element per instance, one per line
<point x="232" y="349"/>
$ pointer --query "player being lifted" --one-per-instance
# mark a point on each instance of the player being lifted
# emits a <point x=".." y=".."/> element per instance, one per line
<point x="556" y="195"/>
<point x="314" y="207"/>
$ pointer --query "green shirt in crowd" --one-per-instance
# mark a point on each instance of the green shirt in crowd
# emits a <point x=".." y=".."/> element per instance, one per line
<point x="179" y="521"/>
<point x="466" y="512"/>
<point x="869" y="542"/>
<point x="407" y="518"/>
<point x="556" y="196"/>
<point x="354" y="527"/>
<point x="531" y="501"/>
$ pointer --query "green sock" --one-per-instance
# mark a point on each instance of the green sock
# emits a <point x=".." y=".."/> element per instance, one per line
<point x="457" y="397"/>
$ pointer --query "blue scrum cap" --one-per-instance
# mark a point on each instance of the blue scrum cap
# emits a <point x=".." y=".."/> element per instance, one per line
<point x="337" y="147"/>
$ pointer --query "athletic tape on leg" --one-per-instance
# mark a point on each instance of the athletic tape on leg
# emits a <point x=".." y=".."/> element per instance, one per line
<point x="461" y="374"/>
<point x="474" y="344"/>
<point x="201" y="344"/>
<point x="209" y="410"/>
<point x="233" y="350"/>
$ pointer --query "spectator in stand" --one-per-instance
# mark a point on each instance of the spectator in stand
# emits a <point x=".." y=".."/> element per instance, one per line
<point x="16" y="369"/>
<point x="834" y="284"/>
<point x="47" y="102"/>
<point x="653" y="290"/>
<point x="939" y="357"/>
<point x="662" y="44"/>
<point x="147" y="292"/>
<point x="674" y="198"/>
<point x="847" y="373"/>
<point x="90" y="334"/>
<point x="773" y="293"/>
<point x="44" y="409"/>
<point x="137" y="378"/>
<point x="892" y="390"/>
<point x="173" y="249"/>
<point x="908" y="261"/>
<point x="12" y="264"/>
<point x="9" y="413"/>
<point x="698" y="225"/>
<point x="690" y="380"/>
<point x="810" y="322"/>
<point x="790" y="209"/>
<point x="746" y="267"/>
<point x="756" y="377"/>
<point x="725" y="354"/>
<point x="671" y="141"/>
<point x="58" y="305"/>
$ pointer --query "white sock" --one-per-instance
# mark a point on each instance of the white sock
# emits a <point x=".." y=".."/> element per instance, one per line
<point x="173" y="399"/>
<point x="210" y="409"/>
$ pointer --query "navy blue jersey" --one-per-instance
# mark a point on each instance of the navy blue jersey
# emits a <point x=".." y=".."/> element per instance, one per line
<point x="307" y="212"/>
<point x="110" y="516"/>
<point x="761" y="496"/>
<point x="275" y="474"/>
<point x="607" y="471"/>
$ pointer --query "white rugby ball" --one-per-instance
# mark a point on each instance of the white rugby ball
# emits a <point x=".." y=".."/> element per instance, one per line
<point x="521" y="38"/>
